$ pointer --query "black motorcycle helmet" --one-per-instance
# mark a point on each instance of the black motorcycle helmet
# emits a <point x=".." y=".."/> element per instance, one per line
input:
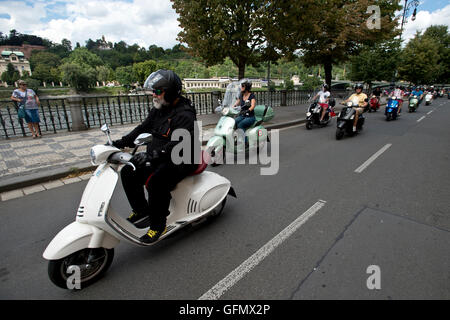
<point x="165" y="80"/>
<point x="247" y="84"/>
<point x="359" y="86"/>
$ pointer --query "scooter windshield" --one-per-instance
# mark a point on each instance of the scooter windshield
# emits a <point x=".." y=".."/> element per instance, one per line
<point x="231" y="94"/>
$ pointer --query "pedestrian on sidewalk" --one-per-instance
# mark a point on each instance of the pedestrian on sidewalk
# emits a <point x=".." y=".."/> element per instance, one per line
<point x="30" y="101"/>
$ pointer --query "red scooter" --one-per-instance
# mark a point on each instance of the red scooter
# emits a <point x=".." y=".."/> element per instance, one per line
<point x="374" y="104"/>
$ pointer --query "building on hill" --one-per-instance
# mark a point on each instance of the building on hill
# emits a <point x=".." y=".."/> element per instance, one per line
<point x="26" y="49"/>
<point x="17" y="59"/>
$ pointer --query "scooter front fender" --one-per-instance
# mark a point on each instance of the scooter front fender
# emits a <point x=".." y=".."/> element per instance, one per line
<point x="341" y="124"/>
<point x="77" y="236"/>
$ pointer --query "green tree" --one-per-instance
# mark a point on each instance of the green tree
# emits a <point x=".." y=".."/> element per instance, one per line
<point x="11" y="75"/>
<point x="66" y="44"/>
<point x="216" y="29"/>
<point x="104" y="73"/>
<point x="44" y="58"/>
<point x="328" y="32"/>
<point x="377" y="62"/>
<point x="83" y="56"/>
<point x="441" y="36"/>
<point x="142" y="70"/>
<point x="125" y="75"/>
<point x="419" y="60"/>
<point x="79" y="76"/>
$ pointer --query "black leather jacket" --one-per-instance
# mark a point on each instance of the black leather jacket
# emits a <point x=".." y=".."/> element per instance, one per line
<point x="161" y="123"/>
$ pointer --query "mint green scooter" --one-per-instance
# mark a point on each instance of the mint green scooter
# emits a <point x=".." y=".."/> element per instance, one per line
<point x="225" y="139"/>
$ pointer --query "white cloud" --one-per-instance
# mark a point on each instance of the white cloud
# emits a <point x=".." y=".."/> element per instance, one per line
<point x="424" y="19"/>
<point x="139" y="21"/>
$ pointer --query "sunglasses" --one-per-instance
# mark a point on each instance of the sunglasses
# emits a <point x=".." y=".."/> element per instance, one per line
<point x="158" y="92"/>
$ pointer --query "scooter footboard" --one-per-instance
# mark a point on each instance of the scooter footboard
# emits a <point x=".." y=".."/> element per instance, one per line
<point x="77" y="236"/>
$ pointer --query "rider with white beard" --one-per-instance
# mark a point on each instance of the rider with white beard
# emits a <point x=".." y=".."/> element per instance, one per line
<point x="154" y="168"/>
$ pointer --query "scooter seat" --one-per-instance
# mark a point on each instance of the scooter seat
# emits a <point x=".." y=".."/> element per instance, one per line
<point x="200" y="168"/>
<point x="203" y="165"/>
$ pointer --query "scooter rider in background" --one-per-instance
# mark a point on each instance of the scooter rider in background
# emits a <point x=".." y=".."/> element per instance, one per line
<point x="247" y="101"/>
<point x="362" y="100"/>
<point x="324" y="97"/>
<point x="418" y="93"/>
<point x="377" y="93"/>
<point x="398" y="93"/>
<point x="154" y="168"/>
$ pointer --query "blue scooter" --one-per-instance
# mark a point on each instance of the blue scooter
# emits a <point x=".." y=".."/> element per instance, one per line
<point x="391" y="111"/>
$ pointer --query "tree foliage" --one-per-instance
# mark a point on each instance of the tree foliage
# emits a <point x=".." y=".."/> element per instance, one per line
<point x="328" y="32"/>
<point x="79" y="76"/>
<point x="376" y="62"/>
<point x="420" y="60"/>
<point x="216" y="29"/>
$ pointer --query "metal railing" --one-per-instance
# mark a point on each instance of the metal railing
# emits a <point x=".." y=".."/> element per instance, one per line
<point x="55" y="112"/>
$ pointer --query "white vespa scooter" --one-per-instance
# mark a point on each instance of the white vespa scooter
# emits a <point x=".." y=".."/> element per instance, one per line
<point x="87" y="245"/>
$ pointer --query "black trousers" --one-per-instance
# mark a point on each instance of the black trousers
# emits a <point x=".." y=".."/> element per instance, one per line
<point x="164" y="179"/>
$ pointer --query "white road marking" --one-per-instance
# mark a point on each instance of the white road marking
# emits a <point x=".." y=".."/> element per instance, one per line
<point x="291" y="127"/>
<point x="430" y="112"/>
<point x="237" y="274"/>
<point x="372" y="158"/>
<point x="420" y="119"/>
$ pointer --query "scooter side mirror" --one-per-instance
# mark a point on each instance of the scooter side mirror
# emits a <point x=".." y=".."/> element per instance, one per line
<point x="105" y="128"/>
<point x="143" y="138"/>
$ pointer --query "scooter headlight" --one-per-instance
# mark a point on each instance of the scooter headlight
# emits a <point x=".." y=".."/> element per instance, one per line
<point x="225" y="111"/>
<point x="308" y="114"/>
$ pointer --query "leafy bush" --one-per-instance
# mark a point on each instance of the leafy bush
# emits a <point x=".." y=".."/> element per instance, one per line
<point x="79" y="76"/>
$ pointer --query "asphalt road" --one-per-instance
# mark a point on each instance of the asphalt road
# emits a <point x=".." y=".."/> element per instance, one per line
<point x="315" y="230"/>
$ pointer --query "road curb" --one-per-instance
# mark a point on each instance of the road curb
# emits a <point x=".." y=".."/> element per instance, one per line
<point x="42" y="177"/>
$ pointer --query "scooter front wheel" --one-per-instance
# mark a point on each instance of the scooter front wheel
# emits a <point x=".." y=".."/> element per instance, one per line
<point x="80" y="269"/>
<point x="339" y="134"/>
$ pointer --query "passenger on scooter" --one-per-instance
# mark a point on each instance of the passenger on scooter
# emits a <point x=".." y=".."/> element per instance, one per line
<point x="362" y="101"/>
<point x="154" y="168"/>
<point x="247" y="101"/>
<point x="324" y="97"/>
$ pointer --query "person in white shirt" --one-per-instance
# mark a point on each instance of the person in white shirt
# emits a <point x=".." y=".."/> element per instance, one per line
<point x="324" y="97"/>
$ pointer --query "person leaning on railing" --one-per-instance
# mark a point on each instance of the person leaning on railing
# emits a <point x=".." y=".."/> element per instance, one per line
<point x="29" y="100"/>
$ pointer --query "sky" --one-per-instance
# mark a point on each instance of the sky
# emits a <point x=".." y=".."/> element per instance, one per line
<point x="145" y="22"/>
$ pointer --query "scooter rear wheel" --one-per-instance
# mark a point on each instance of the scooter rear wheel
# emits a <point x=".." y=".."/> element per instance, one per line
<point x="64" y="272"/>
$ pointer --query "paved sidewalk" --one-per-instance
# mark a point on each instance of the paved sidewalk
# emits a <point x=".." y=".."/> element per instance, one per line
<point x="27" y="162"/>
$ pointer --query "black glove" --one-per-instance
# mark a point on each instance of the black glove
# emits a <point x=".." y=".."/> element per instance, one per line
<point x="141" y="159"/>
<point x="119" y="144"/>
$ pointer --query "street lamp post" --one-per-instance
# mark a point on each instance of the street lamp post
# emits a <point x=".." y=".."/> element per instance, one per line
<point x="406" y="8"/>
